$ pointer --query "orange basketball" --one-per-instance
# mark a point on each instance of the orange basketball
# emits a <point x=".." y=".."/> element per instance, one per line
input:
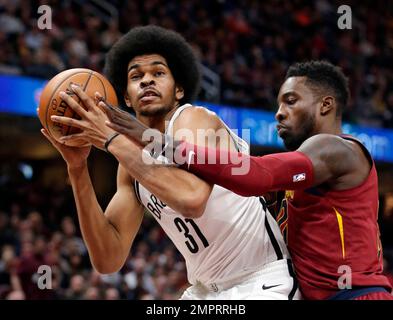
<point x="51" y="103"/>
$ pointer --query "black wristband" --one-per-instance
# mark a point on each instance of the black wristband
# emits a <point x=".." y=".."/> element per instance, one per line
<point x="109" y="140"/>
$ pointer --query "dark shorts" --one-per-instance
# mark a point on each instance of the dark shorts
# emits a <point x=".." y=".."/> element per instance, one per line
<point x="366" y="293"/>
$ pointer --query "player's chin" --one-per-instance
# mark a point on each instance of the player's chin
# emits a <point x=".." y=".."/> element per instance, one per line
<point x="291" y="143"/>
<point x="284" y="134"/>
<point x="152" y="109"/>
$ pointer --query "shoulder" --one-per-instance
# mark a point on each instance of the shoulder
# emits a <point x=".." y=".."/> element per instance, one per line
<point x="198" y="116"/>
<point x="333" y="147"/>
<point x="201" y="126"/>
<point x="342" y="158"/>
<point x="325" y="140"/>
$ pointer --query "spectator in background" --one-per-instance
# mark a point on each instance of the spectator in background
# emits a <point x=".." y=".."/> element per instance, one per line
<point x="77" y="288"/>
<point x="32" y="257"/>
<point x="92" y="293"/>
<point x="112" y="294"/>
<point x="37" y="225"/>
<point x="72" y="241"/>
<point x="16" y="295"/>
<point x="7" y="236"/>
<point x="8" y="265"/>
<point x="138" y="280"/>
<point x="10" y="22"/>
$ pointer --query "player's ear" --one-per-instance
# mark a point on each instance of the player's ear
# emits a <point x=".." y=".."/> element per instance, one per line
<point x="327" y="105"/>
<point x="127" y="100"/>
<point x="179" y="93"/>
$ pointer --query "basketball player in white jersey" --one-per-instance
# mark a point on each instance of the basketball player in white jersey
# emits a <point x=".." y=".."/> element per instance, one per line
<point x="231" y="244"/>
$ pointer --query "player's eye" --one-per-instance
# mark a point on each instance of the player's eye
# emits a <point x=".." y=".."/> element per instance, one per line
<point x="135" y="77"/>
<point x="159" y="73"/>
<point x="291" y="101"/>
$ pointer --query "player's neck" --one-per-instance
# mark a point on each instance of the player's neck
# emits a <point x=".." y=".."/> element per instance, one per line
<point x="158" y="122"/>
<point x="155" y="122"/>
<point x="333" y="127"/>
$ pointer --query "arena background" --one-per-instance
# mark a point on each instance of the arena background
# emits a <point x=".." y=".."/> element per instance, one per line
<point x="245" y="48"/>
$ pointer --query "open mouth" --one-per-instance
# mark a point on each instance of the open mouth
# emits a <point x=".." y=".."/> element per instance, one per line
<point x="149" y="95"/>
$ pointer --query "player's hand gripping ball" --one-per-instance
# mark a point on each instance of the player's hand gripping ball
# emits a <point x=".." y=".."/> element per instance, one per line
<point x="51" y="103"/>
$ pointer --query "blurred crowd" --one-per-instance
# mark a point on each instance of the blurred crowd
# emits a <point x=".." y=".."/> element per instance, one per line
<point x="39" y="227"/>
<point x="248" y="43"/>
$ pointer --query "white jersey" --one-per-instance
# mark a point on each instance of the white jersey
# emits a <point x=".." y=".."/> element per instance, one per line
<point x="235" y="236"/>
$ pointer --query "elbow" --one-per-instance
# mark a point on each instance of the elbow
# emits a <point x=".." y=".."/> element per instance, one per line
<point x="105" y="269"/>
<point x="194" y="206"/>
<point x="107" y="265"/>
<point x="192" y="213"/>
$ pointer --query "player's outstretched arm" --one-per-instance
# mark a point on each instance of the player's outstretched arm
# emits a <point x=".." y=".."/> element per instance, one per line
<point x="321" y="159"/>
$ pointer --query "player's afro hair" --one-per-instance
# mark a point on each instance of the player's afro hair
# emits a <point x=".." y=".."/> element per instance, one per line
<point x="154" y="40"/>
<point x="325" y="78"/>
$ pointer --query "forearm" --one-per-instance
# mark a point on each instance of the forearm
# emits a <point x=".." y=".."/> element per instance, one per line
<point x="244" y="174"/>
<point x="159" y="179"/>
<point x="100" y="236"/>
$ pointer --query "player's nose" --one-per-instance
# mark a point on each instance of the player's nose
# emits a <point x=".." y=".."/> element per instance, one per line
<point x="146" y="81"/>
<point x="281" y="113"/>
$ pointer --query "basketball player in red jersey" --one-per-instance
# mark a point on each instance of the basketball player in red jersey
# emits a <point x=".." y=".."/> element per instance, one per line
<point x="329" y="214"/>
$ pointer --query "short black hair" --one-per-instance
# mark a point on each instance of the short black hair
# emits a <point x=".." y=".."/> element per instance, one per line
<point x="323" y="76"/>
<point x="154" y="40"/>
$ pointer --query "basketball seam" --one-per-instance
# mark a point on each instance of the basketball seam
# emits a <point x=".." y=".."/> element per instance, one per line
<point x="103" y="86"/>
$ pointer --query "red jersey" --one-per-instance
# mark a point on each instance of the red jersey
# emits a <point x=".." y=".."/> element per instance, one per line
<point x="332" y="234"/>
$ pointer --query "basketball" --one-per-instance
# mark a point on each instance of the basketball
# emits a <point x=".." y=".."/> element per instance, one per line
<point x="51" y="103"/>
